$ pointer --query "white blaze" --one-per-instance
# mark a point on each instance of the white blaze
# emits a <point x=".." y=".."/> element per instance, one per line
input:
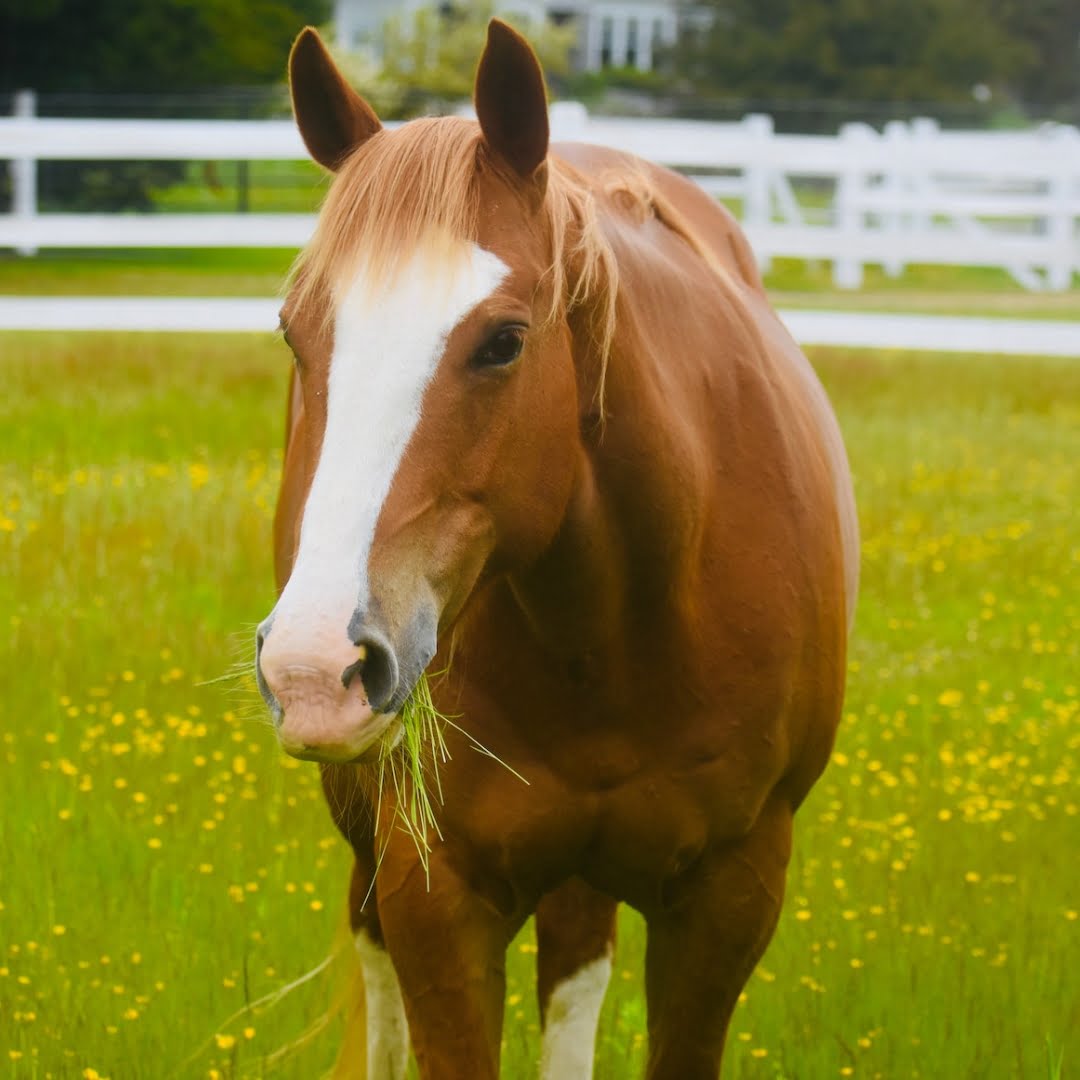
<point x="388" y="341"/>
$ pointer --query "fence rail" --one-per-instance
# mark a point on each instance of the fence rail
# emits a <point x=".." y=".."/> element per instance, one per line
<point x="910" y="194"/>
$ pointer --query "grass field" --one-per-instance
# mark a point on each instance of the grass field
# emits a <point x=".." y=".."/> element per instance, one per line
<point x="154" y="272"/>
<point x="794" y="283"/>
<point x="161" y="864"/>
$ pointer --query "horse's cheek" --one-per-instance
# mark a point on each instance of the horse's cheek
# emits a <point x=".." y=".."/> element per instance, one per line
<point x="544" y="452"/>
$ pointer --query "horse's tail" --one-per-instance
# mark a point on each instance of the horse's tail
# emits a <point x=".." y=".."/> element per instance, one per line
<point x="347" y="1002"/>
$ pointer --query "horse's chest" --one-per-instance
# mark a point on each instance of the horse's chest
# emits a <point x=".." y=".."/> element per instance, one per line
<point x="627" y="796"/>
<point x="633" y="841"/>
<point x="652" y="833"/>
<point x="650" y="829"/>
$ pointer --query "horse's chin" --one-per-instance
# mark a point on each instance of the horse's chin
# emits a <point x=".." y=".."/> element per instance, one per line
<point x="312" y="739"/>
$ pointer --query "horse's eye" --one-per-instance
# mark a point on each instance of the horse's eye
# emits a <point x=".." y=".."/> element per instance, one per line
<point x="502" y="348"/>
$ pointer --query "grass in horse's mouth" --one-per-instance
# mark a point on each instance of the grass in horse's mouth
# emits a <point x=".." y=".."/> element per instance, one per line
<point x="411" y="764"/>
<point x="411" y="767"/>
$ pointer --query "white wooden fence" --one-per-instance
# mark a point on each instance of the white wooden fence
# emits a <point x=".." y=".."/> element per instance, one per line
<point x="913" y="194"/>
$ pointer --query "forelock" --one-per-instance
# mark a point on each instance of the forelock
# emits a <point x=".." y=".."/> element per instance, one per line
<point x="398" y="192"/>
<point x="417" y="189"/>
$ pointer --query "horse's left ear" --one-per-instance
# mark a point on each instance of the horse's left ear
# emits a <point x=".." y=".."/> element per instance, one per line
<point x="511" y="100"/>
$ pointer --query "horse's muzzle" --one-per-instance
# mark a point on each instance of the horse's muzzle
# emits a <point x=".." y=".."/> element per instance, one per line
<point x="332" y="699"/>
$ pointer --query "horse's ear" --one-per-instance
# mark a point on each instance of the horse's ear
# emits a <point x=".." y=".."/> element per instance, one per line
<point x="511" y="101"/>
<point x="332" y="117"/>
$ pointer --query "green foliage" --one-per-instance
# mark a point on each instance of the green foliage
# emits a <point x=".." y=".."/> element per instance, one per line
<point x="140" y="47"/>
<point x="593" y="87"/>
<point x="430" y="57"/>
<point x="148" y="46"/>
<point x="863" y="50"/>
<point x="1050" y="31"/>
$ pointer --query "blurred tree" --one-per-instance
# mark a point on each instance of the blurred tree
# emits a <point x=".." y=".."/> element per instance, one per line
<point x="862" y="50"/>
<point x="148" y="46"/>
<point x="431" y="56"/>
<point x="140" y="47"/>
<point x="1051" y="31"/>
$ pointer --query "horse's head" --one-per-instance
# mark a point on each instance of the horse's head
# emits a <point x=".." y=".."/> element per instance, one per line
<point x="436" y="428"/>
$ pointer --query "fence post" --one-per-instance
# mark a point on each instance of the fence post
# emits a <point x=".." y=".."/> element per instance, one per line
<point x="925" y="131"/>
<point x="24" y="172"/>
<point x="1059" y="219"/>
<point x="848" y="207"/>
<point x="757" y="180"/>
<point x="896" y="183"/>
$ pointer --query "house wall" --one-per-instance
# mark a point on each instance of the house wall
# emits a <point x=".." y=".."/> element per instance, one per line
<point x="357" y="23"/>
<point x="624" y="33"/>
<point x="611" y="33"/>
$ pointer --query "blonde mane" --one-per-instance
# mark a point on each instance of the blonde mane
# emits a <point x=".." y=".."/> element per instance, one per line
<point x="404" y="190"/>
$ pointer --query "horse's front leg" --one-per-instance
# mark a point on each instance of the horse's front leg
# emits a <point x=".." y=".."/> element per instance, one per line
<point x="575" y="935"/>
<point x="449" y="949"/>
<point x="376" y="1040"/>
<point x="376" y="1037"/>
<point x="705" y="935"/>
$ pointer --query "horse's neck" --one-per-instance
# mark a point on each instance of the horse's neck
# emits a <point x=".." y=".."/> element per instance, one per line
<point x="626" y="561"/>
<point x="627" y="544"/>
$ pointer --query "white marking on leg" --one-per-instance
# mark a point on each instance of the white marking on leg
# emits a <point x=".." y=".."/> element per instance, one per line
<point x="570" y="1027"/>
<point x="389" y="337"/>
<point x="387" y="1028"/>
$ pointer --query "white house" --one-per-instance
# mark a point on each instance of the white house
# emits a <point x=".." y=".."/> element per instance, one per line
<point x="610" y="33"/>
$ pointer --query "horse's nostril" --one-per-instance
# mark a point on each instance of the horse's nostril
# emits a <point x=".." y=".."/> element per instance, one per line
<point x="262" y="631"/>
<point x="260" y="678"/>
<point x="377" y="668"/>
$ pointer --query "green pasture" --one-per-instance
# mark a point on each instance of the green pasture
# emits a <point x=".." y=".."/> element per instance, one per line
<point x="162" y="866"/>
<point x="150" y="272"/>
<point x="271" y="187"/>
<point x="793" y="283"/>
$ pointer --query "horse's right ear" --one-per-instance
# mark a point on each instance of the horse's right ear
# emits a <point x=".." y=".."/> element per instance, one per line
<point x="332" y="117"/>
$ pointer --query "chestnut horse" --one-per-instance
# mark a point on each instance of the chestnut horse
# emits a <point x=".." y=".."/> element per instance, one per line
<point x="547" y="436"/>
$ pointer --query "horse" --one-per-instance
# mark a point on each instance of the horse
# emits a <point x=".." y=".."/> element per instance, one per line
<point x="546" y="437"/>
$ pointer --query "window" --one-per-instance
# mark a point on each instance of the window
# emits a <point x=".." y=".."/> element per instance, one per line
<point x="607" y="39"/>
